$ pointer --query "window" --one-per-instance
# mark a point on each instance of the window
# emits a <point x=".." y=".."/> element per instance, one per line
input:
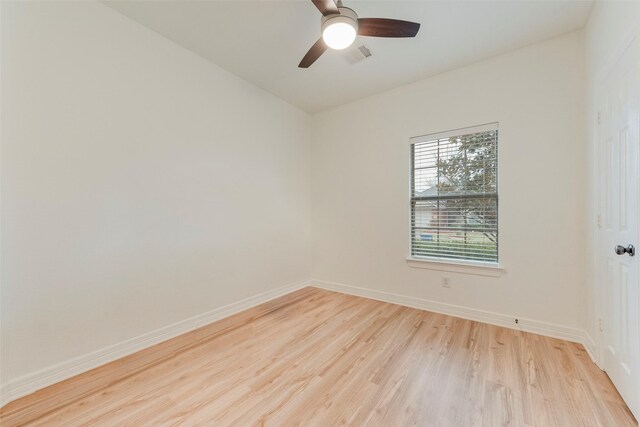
<point x="454" y="195"/>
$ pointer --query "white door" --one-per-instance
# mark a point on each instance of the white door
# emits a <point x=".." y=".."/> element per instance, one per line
<point x="619" y="150"/>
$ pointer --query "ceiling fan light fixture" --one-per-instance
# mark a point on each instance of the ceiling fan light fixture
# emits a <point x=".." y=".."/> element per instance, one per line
<point x="339" y="31"/>
<point x="340" y="25"/>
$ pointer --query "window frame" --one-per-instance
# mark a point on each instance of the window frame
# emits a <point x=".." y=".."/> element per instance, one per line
<point x="486" y="268"/>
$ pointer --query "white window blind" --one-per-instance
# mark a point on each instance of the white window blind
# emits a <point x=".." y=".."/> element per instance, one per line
<point x="454" y="195"/>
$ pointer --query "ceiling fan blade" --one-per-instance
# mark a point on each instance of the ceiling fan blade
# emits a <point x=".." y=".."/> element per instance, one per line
<point x="314" y="53"/>
<point x="381" y="27"/>
<point x="326" y="7"/>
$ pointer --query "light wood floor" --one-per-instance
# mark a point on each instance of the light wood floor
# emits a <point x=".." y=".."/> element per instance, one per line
<point x="318" y="358"/>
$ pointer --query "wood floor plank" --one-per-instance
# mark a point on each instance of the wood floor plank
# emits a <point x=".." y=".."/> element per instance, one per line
<point x="321" y="358"/>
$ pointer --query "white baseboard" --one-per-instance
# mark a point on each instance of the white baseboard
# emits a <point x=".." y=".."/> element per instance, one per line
<point x="592" y="348"/>
<point x="527" y="325"/>
<point x="32" y="382"/>
<point x="35" y="381"/>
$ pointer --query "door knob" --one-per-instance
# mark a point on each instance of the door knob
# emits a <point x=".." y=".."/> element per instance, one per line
<point x="621" y="250"/>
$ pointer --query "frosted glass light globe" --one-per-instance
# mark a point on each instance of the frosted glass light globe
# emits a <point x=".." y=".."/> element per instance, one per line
<point x="339" y="35"/>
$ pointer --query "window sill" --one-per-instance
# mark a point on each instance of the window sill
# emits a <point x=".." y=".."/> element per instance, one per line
<point x="476" y="268"/>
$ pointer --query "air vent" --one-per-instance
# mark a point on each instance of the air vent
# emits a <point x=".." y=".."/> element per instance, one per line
<point x="357" y="54"/>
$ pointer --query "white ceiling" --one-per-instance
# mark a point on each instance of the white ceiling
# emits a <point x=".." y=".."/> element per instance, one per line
<point x="263" y="41"/>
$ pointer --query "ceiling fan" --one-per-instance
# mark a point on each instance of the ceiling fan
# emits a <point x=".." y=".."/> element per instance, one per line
<point x="340" y="25"/>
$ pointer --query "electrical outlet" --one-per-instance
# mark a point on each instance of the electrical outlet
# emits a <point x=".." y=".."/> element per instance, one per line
<point x="600" y="324"/>
<point x="445" y="282"/>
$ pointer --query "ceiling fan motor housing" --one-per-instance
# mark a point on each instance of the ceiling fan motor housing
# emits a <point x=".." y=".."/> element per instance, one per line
<point x="346" y="15"/>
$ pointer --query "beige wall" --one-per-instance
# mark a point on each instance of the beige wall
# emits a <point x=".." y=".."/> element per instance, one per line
<point x="360" y="166"/>
<point x="132" y="171"/>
